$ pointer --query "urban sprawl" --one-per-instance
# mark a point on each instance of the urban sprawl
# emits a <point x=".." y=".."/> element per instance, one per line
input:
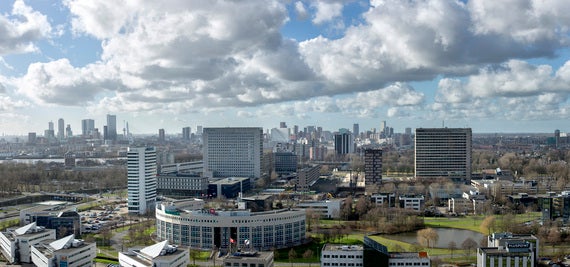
<point x="286" y="196"/>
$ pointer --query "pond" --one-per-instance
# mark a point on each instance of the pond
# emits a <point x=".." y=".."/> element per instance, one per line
<point x="446" y="235"/>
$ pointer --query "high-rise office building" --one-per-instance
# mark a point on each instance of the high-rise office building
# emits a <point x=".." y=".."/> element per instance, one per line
<point x="356" y="130"/>
<point x="343" y="143"/>
<point x="372" y="167"/>
<point x="31" y="137"/>
<point x="199" y="130"/>
<point x="49" y="133"/>
<point x="60" y="129"/>
<point x="141" y="175"/>
<point x="233" y="151"/>
<point x="161" y="135"/>
<point x="68" y="132"/>
<point x="111" y="127"/>
<point x="186" y="131"/>
<point x="443" y="152"/>
<point x="87" y="127"/>
<point x="282" y="124"/>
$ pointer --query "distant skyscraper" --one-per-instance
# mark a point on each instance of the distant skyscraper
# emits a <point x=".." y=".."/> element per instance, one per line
<point x="161" y="135"/>
<point x="60" y="129"/>
<point x="68" y="132"/>
<point x="383" y="127"/>
<point x="233" y="151"/>
<point x="141" y="174"/>
<point x="111" y="127"/>
<point x="356" y="130"/>
<point x="282" y="124"/>
<point x="295" y="129"/>
<point x="49" y="133"/>
<point x="186" y="131"/>
<point x="32" y="138"/>
<point x="408" y="131"/>
<point x="372" y="167"/>
<point x="443" y="152"/>
<point x="343" y="143"/>
<point x="199" y="130"/>
<point x="557" y="138"/>
<point x="87" y="127"/>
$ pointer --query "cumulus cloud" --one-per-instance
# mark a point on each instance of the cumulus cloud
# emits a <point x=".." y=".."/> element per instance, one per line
<point x="21" y="28"/>
<point x="58" y="82"/>
<point x="302" y="13"/>
<point x="191" y="55"/>
<point x="327" y="11"/>
<point x="514" y="78"/>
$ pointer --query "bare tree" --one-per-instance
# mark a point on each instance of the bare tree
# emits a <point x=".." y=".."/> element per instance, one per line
<point x="292" y="256"/>
<point x="452" y="247"/>
<point x="428" y="236"/>
<point x="308" y="255"/>
<point x="468" y="245"/>
<point x="488" y="225"/>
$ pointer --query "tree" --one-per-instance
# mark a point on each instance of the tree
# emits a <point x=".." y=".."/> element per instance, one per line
<point x="468" y="245"/>
<point x="292" y="255"/>
<point x="488" y="225"/>
<point x="346" y="209"/>
<point x="362" y="206"/>
<point x="452" y="247"/>
<point x="428" y="236"/>
<point x="554" y="237"/>
<point x="308" y="255"/>
<point x="194" y="254"/>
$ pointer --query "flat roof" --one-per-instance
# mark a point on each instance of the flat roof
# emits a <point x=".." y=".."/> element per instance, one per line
<point x="333" y="247"/>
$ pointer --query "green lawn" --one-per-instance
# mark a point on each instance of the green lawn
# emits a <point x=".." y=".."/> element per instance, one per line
<point x="473" y="223"/>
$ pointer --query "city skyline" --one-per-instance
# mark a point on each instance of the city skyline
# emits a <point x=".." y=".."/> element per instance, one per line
<point x="487" y="65"/>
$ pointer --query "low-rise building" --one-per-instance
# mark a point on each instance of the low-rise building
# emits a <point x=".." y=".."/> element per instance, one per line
<point x="181" y="184"/>
<point x="249" y="259"/>
<point x="66" y="251"/>
<point x="412" y="202"/>
<point x="514" y="253"/>
<point x="54" y="215"/>
<point x="229" y="187"/>
<point x="306" y="177"/>
<point x="329" y="209"/>
<point x="502" y="241"/>
<point x="409" y="259"/>
<point x="342" y="255"/>
<point x="202" y="228"/>
<point x="460" y="206"/>
<point x="160" y="254"/>
<point x="16" y="243"/>
<point x="371" y="254"/>
<point x="384" y="199"/>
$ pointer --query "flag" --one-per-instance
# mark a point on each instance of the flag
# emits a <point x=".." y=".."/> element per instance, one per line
<point x="246" y="242"/>
<point x="232" y="240"/>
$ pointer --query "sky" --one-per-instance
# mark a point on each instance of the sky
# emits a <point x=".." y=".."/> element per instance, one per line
<point x="494" y="66"/>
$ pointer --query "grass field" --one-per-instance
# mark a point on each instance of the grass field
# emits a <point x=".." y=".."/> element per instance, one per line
<point x="473" y="223"/>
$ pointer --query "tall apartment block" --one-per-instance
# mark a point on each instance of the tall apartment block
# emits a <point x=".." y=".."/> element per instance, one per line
<point x="443" y="152"/>
<point x="233" y="151"/>
<point x="60" y="129"/>
<point x="141" y="174"/>
<point x="372" y="168"/>
<point x="87" y="127"/>
<point x="343" y="143"/>
<point x="111" y="133"/>
<point x="186" y="132"/>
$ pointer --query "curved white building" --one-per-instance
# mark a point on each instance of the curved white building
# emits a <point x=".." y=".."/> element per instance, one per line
<point x="205" y="229"/>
